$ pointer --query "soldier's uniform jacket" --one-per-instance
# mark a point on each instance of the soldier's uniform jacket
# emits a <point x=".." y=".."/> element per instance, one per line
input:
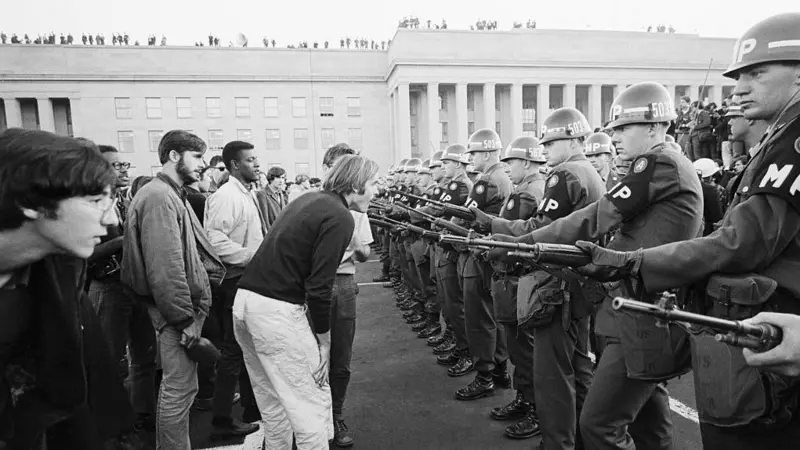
<point x="658" y="202"/>
<point x="612" y="179"/>
<point x="457" y="193"/>
<point x="490" y="190"/>
<point x="751" y="264"/>
<point x="434" y="192"/>
<point x="523" y="202"/>
<point x="570" y="186"/>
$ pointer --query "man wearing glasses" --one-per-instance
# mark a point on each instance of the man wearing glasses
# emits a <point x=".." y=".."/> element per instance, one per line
<point x="59" y="388"/>
<point x="218" y="169"/>
<point x="124" y="320"/>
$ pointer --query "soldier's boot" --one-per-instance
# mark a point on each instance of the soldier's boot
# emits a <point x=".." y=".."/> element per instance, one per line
<point x="500" y="375"/>
<point x="464" y="365"/>
<point x="516" y="410"/>
<point x="409" y="304"/>
<point x="434" y="341"/>
<point x="382" y="278"/>
<point x="445" y="347"/>
<point x="416" y="318"/>
<point x="525" y="428"/>
<point x="419" y="326"/>
<point x="481" y="386"/>
<point x="415" y="309"/>
<point x="433" y="327"/>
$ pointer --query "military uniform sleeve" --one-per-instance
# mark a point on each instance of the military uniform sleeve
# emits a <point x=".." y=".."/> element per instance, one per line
<point x="752" y="235"/>
<point x="562" y="191"/>
<point x="528" y="205"/>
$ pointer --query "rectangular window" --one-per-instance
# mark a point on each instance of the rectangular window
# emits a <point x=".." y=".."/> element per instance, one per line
<point x="445" y="138"/>
<point x="213" y="107"/>
<point x="354" y="138"/>
<point x="497" y="98"/>
<point x="327" y="137"/>
<point x="216" y="139"/>
<point x="470" y="128"/>
<point x="301" y="168"/>
<point x="414" y="106"/>
<point x="414" y="137"/>
<point x="154" y="137"/>
<point x="298" y="106"/>
<point x="270" y="106"/>
<point x="470" y="100"/>
<point x="244" y="135"/>
<point x="124" y="107"/>
<point x="442" y="103"/>
<point x="153" y="106"/>
<point x="242" y="106"/>
<point x="301" y="138"/>
<point x="273" y="139"/>
<point x="125" y="141"/>
<point x="353" y="107"/>
<point x="326" y="106"/>
<point x="497" y="127"/>
<point x="184" y="107"/>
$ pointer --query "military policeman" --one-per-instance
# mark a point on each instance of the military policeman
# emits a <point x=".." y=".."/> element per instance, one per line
<point x="524" y="159"/>
<point x="599" y="152"/>
<point x="456" y="352"/>
<point x="553" y="306"/>
<point x="750" y="263"/>
<point x="487" y="340"/>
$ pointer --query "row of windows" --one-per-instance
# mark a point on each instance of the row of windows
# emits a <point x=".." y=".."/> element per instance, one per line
<point x="216" y="139"/>
<point x="183" y="107"/>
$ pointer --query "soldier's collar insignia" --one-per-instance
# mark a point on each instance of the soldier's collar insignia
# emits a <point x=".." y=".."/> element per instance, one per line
<point x="510" y="205"/>
<point x="453" y="186"/>
<point x="480" y="188"/>
<point x="797" y="145"/>
<point x="553" y="181"/>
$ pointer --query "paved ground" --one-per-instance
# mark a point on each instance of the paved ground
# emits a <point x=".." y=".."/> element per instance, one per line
<point x="399" y="398"/>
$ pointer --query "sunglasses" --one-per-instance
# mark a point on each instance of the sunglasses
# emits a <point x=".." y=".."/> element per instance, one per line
<point x="220" y="168"/>
<point x="121" y="165"/>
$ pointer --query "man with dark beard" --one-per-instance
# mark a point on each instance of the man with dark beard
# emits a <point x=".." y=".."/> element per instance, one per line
<point x="169" y="264"/>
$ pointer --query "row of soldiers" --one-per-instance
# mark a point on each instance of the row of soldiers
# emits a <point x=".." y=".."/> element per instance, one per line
<point x="640" y="235"/>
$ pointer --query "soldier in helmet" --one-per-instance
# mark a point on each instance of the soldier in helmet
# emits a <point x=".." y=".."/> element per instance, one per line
<point x="562" y="370"/>
<point x="524" y="159"/>
<point x="487" y="340"/>
<point x="599" y="152"/>
<point x="741" y="270"/>
<point x="415" y="302"/>
<point x="454" y="353"/>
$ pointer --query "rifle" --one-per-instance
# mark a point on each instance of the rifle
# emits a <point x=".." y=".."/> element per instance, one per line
<point x="562" y="255"/>
<point x="449" y="226"/>
<point x="759" y="337"/>
<point x="462" y="212"/>
<point x="426" y="234"/>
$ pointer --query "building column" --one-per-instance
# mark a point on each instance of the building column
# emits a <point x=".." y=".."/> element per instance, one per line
<point x="569" y="96"/>
<point x="393" y="127"/>
<point x="489" y="106"/>
<point x="404" y="121"/>
<point x="716" y="96"/>
<point x="596" y="105"/>
<point x="542" y="105"/>
<point x="516" y="111"/>
<point x="461" y="131"/>
<point x="434" y="124"/>
<point x="47" y="121"/>
<point x="13" y="113"/>
<point x="694" y="92"/>
<point x="76" y="116"/>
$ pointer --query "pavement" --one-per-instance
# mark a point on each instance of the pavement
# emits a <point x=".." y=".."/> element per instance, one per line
<point x="399" y="398"/>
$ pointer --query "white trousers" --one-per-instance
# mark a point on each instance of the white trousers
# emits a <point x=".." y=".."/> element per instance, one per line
<point x="281" y="354"/>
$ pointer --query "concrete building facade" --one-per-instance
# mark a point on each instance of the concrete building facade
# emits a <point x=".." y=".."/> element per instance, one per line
<point x="430" y="89"/>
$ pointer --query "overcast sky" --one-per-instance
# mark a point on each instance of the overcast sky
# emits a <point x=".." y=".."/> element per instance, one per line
<point x="186" y="21"/>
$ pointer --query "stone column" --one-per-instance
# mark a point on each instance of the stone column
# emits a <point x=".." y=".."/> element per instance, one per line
<point x="46" y="118"/>
<point x="13" y="113"/>
<point x="393" y="126"/>
<point x="515" y="106"/>
<point x="542" y="105"/>
<point x="461" y="131"/>
<point x="434" y="125"/>
<point x="595" y="105"/>
<point x="694" y="92"/>
<point x="489" y="106"/>
<point x="404" y="121"/>
<point x="569" y="96"/>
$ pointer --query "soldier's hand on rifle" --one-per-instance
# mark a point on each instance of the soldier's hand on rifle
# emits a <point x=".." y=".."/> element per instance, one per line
<point x="499" y="254"/>
<point x="609" y="265"/>
<point x="785" y="358"/>
<point x="483" y="221"/>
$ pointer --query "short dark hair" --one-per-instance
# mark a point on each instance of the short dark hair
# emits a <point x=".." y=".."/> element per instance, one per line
<point x="301" y="178"/>
<point x="216" y="159"/>
<point x="686" y="98"/>
<point x="336" y="152"/>
<point x="180" y="141"/>
<point x="233" y="150"/>
<point x="138" y="183"/>
<point x="275" y="172"/>
<point x="107" y="149"/>
<point x="315" y="180"/>
<point x="40" y="169"/>
<point x="350" y="175"/>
